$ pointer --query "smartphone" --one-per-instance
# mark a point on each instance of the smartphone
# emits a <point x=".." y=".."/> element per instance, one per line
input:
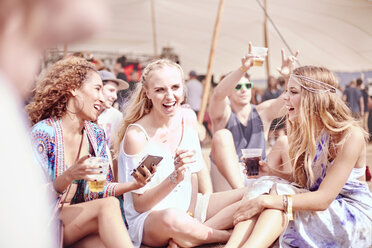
<point x="147" y="161"/>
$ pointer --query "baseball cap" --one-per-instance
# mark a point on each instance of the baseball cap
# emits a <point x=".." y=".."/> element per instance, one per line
<point x="109" y="76"/>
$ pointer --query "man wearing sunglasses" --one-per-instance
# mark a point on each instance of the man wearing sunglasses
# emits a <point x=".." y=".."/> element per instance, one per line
<point x="238" y="124"/>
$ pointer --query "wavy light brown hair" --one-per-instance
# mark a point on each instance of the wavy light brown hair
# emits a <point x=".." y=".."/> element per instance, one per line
<point x="54" y="90"/>
<point x="318" y="111"/>
<point x="138" y="104"/>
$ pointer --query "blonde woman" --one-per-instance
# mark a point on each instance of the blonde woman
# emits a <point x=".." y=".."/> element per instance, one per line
<point x="329" y="202"/>
<point x="168" y="209"/>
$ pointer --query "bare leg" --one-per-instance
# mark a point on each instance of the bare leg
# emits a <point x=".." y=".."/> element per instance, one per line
<point x="204" y="180"/>
<point x="241" y="233"/>
<point x="222" y="206"/>
<point x="161" y="226"/>
<point x="270" y="224"/>
<point x="101" y="216"/>
<point x="92" y="240"/>
<point x="224" y="154"/>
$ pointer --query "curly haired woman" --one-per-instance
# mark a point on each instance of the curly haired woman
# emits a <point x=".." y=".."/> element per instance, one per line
<point x="66" y="102"/>
<point x="328" y="204"/>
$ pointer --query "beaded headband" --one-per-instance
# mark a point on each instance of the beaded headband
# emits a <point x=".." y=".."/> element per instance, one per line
<point x="324" y="87"/>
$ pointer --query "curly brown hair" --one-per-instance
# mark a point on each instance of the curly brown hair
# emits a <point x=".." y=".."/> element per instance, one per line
<point x="54" y="90"/>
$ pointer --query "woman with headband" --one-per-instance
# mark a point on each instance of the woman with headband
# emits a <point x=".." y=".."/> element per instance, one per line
<point x="328" y="203"/>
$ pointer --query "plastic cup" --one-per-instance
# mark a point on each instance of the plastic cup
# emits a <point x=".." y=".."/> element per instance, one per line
<point x="251" y="157"/>
<point x="96" y="182"/>
<point x="261" y="52"/>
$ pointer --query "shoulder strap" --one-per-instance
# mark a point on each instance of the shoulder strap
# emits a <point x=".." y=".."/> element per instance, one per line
<point x="140" y="127"/>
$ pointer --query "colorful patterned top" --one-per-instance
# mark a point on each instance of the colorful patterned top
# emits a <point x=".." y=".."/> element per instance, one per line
<point x="47" y="138"/>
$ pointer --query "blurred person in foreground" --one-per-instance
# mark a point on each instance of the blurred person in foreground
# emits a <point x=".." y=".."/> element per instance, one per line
<point x="67" y="101"/>
<point x="27" y="28"/>
<point x="328" y="202"/>
<point x="238" y="124"/>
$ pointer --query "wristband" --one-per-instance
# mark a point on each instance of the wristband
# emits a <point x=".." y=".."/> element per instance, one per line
<point x="242" y="69"/>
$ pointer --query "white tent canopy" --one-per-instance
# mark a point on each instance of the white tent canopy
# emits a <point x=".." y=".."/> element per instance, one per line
<point x="332" y="33"/>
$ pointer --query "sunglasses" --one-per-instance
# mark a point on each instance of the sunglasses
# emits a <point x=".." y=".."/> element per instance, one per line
<point x="247" y="86"/>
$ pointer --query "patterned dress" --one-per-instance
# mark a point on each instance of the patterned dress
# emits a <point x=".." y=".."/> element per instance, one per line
<point x="47" y="139"/>
<point x="346" y="223"/>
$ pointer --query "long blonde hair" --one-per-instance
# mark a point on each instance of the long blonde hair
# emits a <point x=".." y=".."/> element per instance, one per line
<point x="318" y="111"/>
<point x="139" y="105"/>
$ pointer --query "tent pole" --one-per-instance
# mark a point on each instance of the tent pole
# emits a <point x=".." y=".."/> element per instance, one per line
<point x="266" y="41"/>
<point x="65" y="49"/>
<point x="207" y="83"/>
<point x="154" y="29"/>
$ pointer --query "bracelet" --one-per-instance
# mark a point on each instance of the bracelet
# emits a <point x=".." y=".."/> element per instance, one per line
<point x="190" y="213"/>
<point x="287" y="204"/>
<point x="242" y="69"/>
<point x="55" y="191"/>
<point x="289" y="208"/>
<point x="173" y="177"/>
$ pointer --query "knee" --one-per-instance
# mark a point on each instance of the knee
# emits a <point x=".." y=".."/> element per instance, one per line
<point x="282" y="142"/>
<point x="109" y="204"/>
<point x="172" y="220"/>
<point x="222" y="137"/>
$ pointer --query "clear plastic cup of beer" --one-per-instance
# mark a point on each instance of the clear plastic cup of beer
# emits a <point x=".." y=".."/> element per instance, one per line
<point x="99" y="167"/>
<point x="261" y="53"/>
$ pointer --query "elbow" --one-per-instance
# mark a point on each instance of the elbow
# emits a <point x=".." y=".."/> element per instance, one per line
<point x="139" y="209"/>
<point x="324" y="205"/>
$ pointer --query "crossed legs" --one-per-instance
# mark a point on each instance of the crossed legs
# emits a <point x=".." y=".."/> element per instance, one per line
<point x="162" y="226"/>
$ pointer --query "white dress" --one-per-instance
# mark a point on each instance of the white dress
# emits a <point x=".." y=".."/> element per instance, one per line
<point x="179" y="198"/>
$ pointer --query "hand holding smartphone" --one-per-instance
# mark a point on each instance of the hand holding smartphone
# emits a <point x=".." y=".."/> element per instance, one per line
<point x="148" y="162"/>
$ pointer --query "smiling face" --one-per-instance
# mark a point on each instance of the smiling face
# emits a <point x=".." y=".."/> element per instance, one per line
<point x="89" y="98"/>
<point x="165" y="90"/>
<point x="241" y="95"/>
<point x="110" y="93"/>
<point x="292" y="98"/>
